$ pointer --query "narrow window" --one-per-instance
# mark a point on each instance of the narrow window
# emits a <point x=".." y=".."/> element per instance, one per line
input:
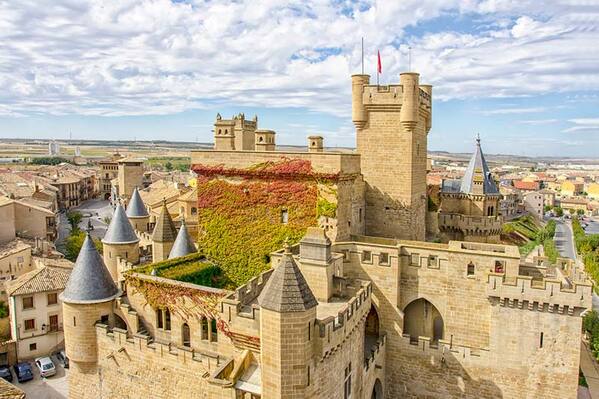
<point x="541" y="340"/>
<point x="204" y="324"/>
<point x="360" y="214"/>
<point x="284" y="216"/>
<point x="33" y="347"/>
<point x="159" y="320"/>
<point x="214" y="330"/>
<point x="432" y="261"/>
<point x="74" y="322"/>
<point x="347" y="383"/>
<point x="366" y="256"/>
<point x="186" y="335"/>
<point x="384" y="258"/>
<point x="308" y="384"/>
<point x="309" y="331"/>
<point x="470" y="269"/>
<point x="167" y="320"/>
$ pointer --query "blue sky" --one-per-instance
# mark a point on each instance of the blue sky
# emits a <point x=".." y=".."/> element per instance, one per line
<point x="524" y="74"/>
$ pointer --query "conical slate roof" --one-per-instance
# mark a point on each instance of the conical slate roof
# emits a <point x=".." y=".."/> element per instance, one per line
<point x="136" y="207"/>
<point x="183" y="244"/>
<point x="120" y="230"/>
<point x="90" y="281"/>
<point x="287" y="289"/>
<point x="165" y="230"/>
<point x="477" y="178"/>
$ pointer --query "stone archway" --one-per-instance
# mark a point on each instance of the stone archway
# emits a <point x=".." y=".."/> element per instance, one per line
<point x="186" y="335"/>
<point x="377" y="391"/>
<point x="371" y="331"/>
<point x="422" y="318"/>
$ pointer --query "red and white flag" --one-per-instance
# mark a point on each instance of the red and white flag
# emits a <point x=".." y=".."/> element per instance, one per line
<point x="379" y="67"/>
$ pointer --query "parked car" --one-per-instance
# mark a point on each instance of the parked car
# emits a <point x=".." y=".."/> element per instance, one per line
<point x="45" y="366"/>
<point x="6" y="373"/>
<point x="23" y="372"/>
<point x="62" y="359"/>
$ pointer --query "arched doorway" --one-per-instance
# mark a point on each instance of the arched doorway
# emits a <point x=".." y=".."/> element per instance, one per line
<point x="186" y="335"/>
<point x="421" y="318"/>
<point x="377" y="391"/>
<point x="371" y="331"/>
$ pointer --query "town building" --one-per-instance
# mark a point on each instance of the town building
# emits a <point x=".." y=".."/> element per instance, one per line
<point x="354" y="305"/>
<point x="36" y="312"/>
<point x="534" y="203"/>
<point x="572" y="188"/>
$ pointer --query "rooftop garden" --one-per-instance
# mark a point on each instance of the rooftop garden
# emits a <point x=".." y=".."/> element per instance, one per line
<point x="194" y="269"/>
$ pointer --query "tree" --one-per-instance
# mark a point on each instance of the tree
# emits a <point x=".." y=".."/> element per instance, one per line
<point x="580" y="212"/>
<point x="168" y="166"/>
<point x="3" y="310"/>
<point x="74" y="218"/>
<point x="74" y="242"/>
<point x="571" y="210"/>
<point x="547" y="208"/>
<point x="558" y="211"/>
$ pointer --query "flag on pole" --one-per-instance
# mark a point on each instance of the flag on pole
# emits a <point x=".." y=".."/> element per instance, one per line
<point x="379" y="67"/>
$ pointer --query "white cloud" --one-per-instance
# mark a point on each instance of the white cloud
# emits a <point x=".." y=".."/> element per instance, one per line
<point x="508" y="111"/>
<point x="135" y="57"/>
<point x="537" y="122"/>
<point x="586" y="125"/>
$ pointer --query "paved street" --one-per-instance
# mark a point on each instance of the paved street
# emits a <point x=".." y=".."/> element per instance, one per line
<point x="563" y="239"/>
<point x="95" y="210"/>
<point x="54" y="387"/>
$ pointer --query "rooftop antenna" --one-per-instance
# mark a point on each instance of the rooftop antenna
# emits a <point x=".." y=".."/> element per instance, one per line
<point x="410" y="58"/>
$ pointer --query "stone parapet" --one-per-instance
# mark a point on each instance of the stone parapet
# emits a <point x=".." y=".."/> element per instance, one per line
<point x="547" y="295"/>
<point x="321" y="162"/>
<point x="376" y="354"/>
<point x="333" y="330"/>
<point x="442" y="349"/>
<point x="470" y="224"/>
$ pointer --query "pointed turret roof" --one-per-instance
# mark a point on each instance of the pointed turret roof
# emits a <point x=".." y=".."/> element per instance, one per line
<point x="287" y="290"/>
<point x="90" y="281"/>
<point x="477" y="178"/>
<point x="183" y="244"/>
<point x="120" y="230"/>
<point x="165" y="230"/>
<point x="136" y="207"/>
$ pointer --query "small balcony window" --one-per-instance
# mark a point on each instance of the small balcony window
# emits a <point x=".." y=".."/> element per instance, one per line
<point x="366" y="256"/>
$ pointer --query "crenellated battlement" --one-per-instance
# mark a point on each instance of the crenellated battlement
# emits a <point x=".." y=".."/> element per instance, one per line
<point x="333" y="330"/>
<point x="121" y="347"/>
<point x="548" y="295"/>
<point x="377" y="352"/>
<point x="243" y="301"/>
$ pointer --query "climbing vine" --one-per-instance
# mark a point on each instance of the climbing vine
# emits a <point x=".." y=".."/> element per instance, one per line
<point x="188" y="302"/>
<point x="245" y="214"/>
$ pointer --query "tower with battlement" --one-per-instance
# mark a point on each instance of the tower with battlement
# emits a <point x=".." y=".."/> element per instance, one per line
<point x="392" y="123"/>
<point x="235" y="134"/>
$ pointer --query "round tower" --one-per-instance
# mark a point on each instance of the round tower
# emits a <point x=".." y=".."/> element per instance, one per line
<point x="164" y="235"/>
<point x="287" y="314"/>
<point x="358" y="113"/>
<point x="87" y="298"/>
<point x="137" y="213"/>
<point x="120" y="241"/>
<point x="410" y="99"/>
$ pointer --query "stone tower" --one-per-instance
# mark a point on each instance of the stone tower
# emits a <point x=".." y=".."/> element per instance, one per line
<point x="392" y="123"/>
<point x="287" y="315"/>
<point x="137" y="213"/>
<point x="164" y="235"/>
<point x="265" y="140"/>
<point x="88" y="298"/>
<point x="469" y="209"/>
<point x="131" y="173"/>
<point x="236" y="134"/>
<point x="120" y="241"/>
<point x="183" y="243"/>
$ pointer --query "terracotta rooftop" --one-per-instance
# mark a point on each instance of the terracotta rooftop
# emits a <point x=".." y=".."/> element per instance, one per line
<point x="526" y="185"/>
<point x="44" y="279"/>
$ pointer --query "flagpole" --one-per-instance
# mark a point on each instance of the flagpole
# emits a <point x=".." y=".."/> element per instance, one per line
<point x="362" y="55"/>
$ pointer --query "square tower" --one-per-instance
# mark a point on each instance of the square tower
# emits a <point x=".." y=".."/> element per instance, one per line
<point x="392" y="123"/>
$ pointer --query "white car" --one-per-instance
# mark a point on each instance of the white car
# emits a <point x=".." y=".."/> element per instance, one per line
<point x="45" y="366"/>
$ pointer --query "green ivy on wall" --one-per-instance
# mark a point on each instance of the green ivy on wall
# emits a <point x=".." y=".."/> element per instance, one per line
<point x="241" y="213"/>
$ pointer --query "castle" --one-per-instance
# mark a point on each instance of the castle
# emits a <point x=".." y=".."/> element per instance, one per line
<point x="313" y="280"/>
